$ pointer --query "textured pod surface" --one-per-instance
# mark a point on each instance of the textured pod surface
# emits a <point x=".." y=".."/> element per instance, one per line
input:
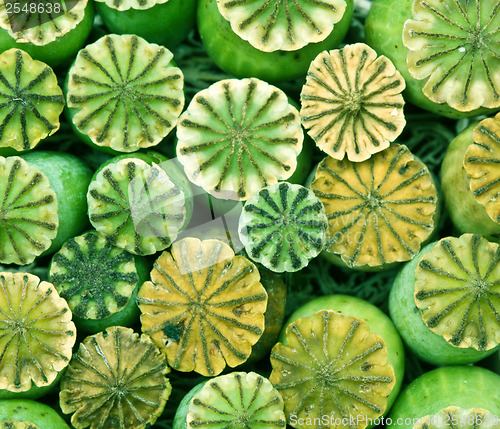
<point x="285" y="25"/>
<point x="28" y="212"/>
<point x="237" y="400"/>
<point x="458" y="418"/>
<point x="37" y="334"/>
<point x="30" y="100"/>
<point x="351" y="102"/>
<point x="96" y="278"/>
<point x="15" y="424"/>
<point x="457" y="288"/>
<point x="116" y="379"/>
<point x="204" y="306"/>
<point x="455" y="46"/>
<point x="481" y="163"/>
<point x="127" y="93"/>
<point x="29" y="24"/>
<point x="132" y="4"/>
<point x="238" y="136"/>
<point x="380" y="210"/>
<point x="136" y="205"/>
<point x="283" y="226"/>
<point x="331" y="365"/>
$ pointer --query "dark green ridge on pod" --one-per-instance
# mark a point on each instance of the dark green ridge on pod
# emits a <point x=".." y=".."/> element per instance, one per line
<point x="28" y="212"/>
<point x="124" y="93"/>
<point x="136" y="205"/>
<point x="236" y="400"/>
<point x="30" y="101"/>
<point x="283" y="226"/>
<point x="98" y="280"/>
<point x="116" y="379"/>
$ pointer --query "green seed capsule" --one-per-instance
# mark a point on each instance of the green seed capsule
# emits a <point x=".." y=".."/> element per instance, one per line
<point x="204" y="306"/>
<point x="125" y="93"/>
<point x="136" y="205"/>
<point x="37" y="334"/>
<point x="331" y="365"/>
<point x="116" y="379"/>
<point x="481" y="164"/>
<point x="283" y="226"/>
<point x="98" y="280"/>
<point x="15" y="424"/>
<point x="238" y="136"/>
<point x="37" y="413"/>
<point x="282" y="25"/>
<point x="379" y="210"/>
<point x="352" y="102"/>
<point x="453" y="417"/>
<point x="30" y="100"/>
<point x="237" y="400"/>
<point x="28" y="212"/>
<point x="455" y="48"/>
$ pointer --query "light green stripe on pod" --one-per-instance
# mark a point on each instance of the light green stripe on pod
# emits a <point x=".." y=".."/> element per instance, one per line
<point x="126" y="92"/>
<point x="283" y="226"/>
<point x="31" y="101"/>
<point x="16" y="424"/>
<point x="38" y="335"/>
<point x="236" y="400"/>
<point x="456" y="417"/>
<point x="99" y="281"/>
<point x="116" y="379"/>
<point x="28" y="212"/>
<point x="136" y="205"/>
<point x="238" y="136"/>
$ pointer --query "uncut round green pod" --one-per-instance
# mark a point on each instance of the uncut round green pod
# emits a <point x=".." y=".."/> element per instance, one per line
<point x="166" y="22"/>
<point x="459" y="386"/>
<point x="204" y="306"/>
<point x="37" y="413"/>
<point x="283" y="227"/>
<point x="116" y="379"/>
<point x="459" y="36"/>
<point x="466" y="213"/>
<point x="31" y="101"/>
<point x="69" y="177"/>
<point x="234" y="400"/>
<point x="379" y="211"/>
<point x="378" y="322"/>
<point x="445" y="302"/>
<point x="99" y="281"/>
<point x="124" y="93"/>
<point x="136" y="204"/>
<point x="238" y="136"/>
<point x="55" y="41"/>
<point x="238" y="57"/>
<point x="332" y="365"/>
<point x="38" y="336"/>
<point x="29" y="212"/>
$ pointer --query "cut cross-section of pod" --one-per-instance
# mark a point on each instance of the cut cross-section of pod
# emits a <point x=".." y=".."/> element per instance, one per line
<point x="351" y="102"/>
<point x="116" y="379"/>
<point x="31" y="101"/>
<point x="379" y="210"/>
<point x="481" y="162"/>
<point x="137" y="205"/>
<point x="28" y="212"/>
<point x="238" y="136"/>
<point x="204" y="306"/>
<point x="455" y="47"/>
<point x="125" y="93"/>
<point x="457" y="290"/>
<point x="37" y="334"/>
<point x="332" y="365"/>
<point x="98" y="280"/>
<point x="283" y="227"/>
<point x="282" y="25"/>
<point x="237" y="400"/>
